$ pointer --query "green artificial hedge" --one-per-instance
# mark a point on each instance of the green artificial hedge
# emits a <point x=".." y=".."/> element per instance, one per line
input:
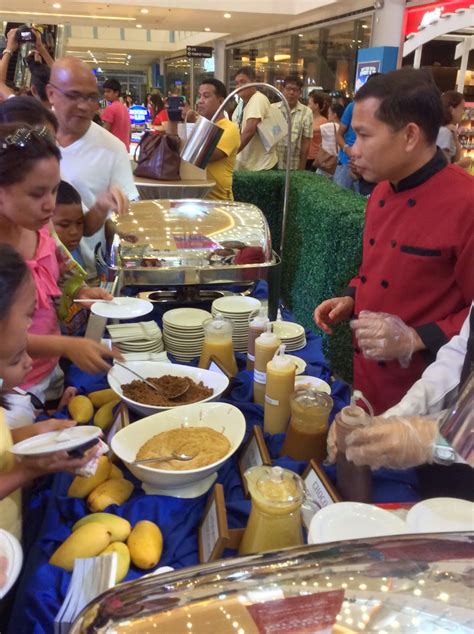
<point x="323" y="244"/>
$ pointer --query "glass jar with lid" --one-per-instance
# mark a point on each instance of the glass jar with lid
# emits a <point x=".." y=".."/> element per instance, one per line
<point x="306" y="438"/>
<point x="275" y="519"/>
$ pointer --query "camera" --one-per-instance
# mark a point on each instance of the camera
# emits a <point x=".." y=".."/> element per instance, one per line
<point x="24" y="34"/>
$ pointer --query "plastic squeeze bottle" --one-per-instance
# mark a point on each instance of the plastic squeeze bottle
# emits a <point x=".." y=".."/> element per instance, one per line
<point x="256" y="327"/>
<point x="354" y="483"/>
<point x="279" y="387"/>
<point x="265" y="347"/>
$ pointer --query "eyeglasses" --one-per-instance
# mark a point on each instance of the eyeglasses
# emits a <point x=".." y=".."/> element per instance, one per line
<point x="76" y="97"/>
<point x="22" y="136"/>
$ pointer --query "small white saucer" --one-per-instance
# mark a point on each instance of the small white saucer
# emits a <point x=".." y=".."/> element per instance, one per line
<point x="440" y="515"/>
<point x="353" y="520"/>
<point x="312" y="381"/>
<point x="122" y="308"/>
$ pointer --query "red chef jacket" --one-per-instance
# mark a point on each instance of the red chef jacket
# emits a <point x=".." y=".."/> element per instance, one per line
<point x="417" y="263"/>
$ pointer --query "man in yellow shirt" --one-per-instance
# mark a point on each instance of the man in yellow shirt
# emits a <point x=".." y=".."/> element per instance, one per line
<point x="211" y="94"/>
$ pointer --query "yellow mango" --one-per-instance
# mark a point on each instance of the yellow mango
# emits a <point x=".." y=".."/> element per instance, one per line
<point x="101" y="397"/>
<point x="115" y="491"/>
<point x="145" y="544"/>
<point x="81" y="409"/>
<point x="88" y="541"/>
<point x="123" y="559"/>
<point x="82" y="486"/>
<point x="115" y="472"/>
<point x="118" y="527"/>
<point x="104" y="416"/>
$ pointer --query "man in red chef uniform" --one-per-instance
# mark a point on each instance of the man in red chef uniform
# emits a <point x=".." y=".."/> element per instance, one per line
<point x="416" y="280"/>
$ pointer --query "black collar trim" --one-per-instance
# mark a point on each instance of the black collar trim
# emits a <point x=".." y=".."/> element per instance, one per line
<point x="434" y="165"/>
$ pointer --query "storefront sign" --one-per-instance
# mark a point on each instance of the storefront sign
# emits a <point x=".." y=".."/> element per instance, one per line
<point x="422" y="16"/>
<point x="363" y="72"/>
<point x="254" y="454"/>
<point x="199" y="52"/>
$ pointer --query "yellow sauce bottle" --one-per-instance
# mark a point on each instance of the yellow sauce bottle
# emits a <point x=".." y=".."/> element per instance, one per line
<point x="256" y="327"/>
<point x="265" y="347"/>
<point x="279" y="387"/>
<point x="218" y="344"/>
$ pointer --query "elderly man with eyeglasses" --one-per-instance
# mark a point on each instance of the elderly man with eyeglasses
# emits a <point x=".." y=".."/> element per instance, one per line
<point x="93" y="160"/>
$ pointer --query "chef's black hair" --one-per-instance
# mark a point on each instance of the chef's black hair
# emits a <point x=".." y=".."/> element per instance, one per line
<point x="406" y="96"/>
<point x="219" y="88"/>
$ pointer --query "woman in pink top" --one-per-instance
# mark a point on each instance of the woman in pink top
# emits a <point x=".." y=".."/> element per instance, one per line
<point x="29" y="178"/>
<point x="319" y="106"/>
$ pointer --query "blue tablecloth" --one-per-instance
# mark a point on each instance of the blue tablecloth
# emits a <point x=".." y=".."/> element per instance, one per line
<point x="43" y="587"/>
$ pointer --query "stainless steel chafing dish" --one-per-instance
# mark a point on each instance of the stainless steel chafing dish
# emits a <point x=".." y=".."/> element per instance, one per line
<point x="192" y="242"/>
<point x="406" y="583"/>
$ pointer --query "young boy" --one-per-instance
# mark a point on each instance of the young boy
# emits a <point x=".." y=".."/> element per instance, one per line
<point x="68" y="219"/>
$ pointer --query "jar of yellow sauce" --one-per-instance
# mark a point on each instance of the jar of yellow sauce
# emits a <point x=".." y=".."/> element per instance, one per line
<point x="275" y="519"/>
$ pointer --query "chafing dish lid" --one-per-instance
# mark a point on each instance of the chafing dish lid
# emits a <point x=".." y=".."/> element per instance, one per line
<point x="175" y="233"/>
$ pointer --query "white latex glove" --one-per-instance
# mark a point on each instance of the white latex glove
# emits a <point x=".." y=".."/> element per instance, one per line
<point x="395" y="443"/>
<point x="384" y="337"/>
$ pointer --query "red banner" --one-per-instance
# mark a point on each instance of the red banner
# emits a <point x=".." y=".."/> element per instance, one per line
<point x="427" y="13"/>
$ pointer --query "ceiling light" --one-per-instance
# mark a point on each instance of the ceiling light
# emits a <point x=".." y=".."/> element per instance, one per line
<point x="300" y="34"/>
<point x="139" y="26"/>
<point x="227" y="15"/>
<point x="207" y="29"/>
<point x="365" y="26"/>
<point x="70" y="15"/>
<point x="56" y="5"/>
<point x="143" y="10"/>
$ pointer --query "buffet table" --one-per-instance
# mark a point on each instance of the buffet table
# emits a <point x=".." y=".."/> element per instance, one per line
<point x="43" y="587"/>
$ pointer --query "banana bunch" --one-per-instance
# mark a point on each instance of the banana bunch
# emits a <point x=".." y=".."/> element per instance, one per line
<point x="81" y="408"/>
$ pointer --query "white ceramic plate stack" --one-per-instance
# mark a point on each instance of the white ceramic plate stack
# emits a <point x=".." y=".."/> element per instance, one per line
<point x="144" y="336"/>
<point x="239" y="310"/>
<point x="291" y="334"/>
<point x="183" y="332"/>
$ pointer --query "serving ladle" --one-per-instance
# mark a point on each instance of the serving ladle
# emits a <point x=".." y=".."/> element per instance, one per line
<point x="174" y="456"/>
<point x="179" y="391"/>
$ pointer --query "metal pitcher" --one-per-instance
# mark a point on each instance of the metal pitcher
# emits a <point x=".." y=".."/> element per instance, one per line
<point x="202" y="143"/>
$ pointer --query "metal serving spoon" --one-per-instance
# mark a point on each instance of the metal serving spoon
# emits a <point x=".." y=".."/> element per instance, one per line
<point x="178" y="392"/>
<point x="174" y="456"/>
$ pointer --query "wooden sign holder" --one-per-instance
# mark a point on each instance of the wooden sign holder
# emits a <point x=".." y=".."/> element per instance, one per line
<point x="318" y="486"/>
<point x="253" y="454"/>
<point x="214" y="535"/>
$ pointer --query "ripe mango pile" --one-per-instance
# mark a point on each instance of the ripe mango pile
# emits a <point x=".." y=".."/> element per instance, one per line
<point x="102" y="533"/>
<point x="81" y="408"/>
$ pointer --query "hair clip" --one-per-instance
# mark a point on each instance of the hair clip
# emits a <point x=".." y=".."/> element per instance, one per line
<point x="21" y="137"/>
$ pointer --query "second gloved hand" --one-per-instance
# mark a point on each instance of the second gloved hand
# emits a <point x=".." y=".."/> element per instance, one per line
<point x="395" y="443"/>
<point x="384" y="337"/>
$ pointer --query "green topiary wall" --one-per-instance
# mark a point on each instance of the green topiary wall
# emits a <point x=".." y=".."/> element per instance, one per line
<point x="322" y="248"/>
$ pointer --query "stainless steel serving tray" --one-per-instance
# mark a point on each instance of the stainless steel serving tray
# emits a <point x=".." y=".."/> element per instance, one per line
<point x="191" y="241"/>
<point x="406" y="583"/>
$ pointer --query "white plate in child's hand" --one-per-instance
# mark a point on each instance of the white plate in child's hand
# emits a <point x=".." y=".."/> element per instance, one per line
<point x="122" y="308"/>
<point x="61" y="440"/>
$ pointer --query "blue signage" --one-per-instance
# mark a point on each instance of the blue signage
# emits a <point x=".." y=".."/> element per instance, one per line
<point x="139" y="115"/>
<point x="363" y="72"/>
